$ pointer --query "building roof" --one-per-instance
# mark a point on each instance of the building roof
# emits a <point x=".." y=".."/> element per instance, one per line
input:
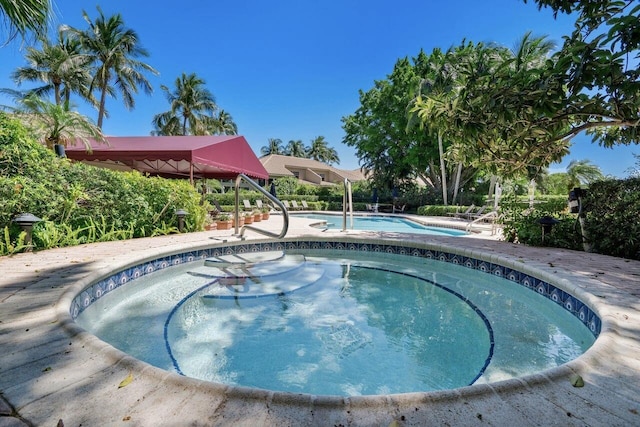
<point x="278" y="165"/>
<point x="220" y="157"/>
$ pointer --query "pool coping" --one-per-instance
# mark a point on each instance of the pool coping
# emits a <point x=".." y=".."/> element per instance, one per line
<point x="55" y="370"/>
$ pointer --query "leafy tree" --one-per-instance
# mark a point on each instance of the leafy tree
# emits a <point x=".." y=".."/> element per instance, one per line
<point x="488" y="85"/>
<point x="114" y="50"/>
<point x="377" y="129"/>
<point x="597" y="71"/>
<point x="274" y="147"/>
<point x="295" y="148"/>
<point x="22" y="17"/>
<point x="555" y="183"/>
<point x="386" y="141"/>
<point x="320" y="151"/>
<point x="57" y="124"/>
<point x="60" y="66"/>
<point x="192" y="108"/>
<point x="522" y="118"/>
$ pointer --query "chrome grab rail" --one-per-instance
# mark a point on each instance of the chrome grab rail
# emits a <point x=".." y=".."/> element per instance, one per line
<point x="285" y="213"/>
<point x="492" y="214"/>
<point x="347" y="192"/>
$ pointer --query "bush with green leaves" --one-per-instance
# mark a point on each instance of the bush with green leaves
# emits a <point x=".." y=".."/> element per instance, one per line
<point x="80" y="203"/>
<point x="520" y="223"/>
<point x="612" y="224"/>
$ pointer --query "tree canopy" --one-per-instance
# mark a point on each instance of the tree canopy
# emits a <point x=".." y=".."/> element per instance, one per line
<point x="506" y="112"/>
<point x="25" y="16"/>
<point x="115" y="51"/>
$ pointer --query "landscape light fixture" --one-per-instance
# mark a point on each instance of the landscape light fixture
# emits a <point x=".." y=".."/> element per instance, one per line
<point x="547" y="224"/>
<point x="26" y="221"/>
<point x="181" y="213"/>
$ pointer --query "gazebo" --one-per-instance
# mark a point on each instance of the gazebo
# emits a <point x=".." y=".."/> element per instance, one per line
<point x="219" y="157"/>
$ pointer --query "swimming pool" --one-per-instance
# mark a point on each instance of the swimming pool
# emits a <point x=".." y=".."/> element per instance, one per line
<point x="380" y="223"/>
<point x="349" y="335"/>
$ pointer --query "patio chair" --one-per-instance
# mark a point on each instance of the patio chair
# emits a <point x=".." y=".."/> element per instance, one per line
<point x="247" y="205"/>
<point x="398" y="210"/>
<point x="463" y="215"/>
<point x="295" y="206"/>
<point x="305" y="206"/>
<point x="285" y="203"/>
<point x="259" y="204"/>
<point x="476" y="214"/>
<point x="217" y="205"/>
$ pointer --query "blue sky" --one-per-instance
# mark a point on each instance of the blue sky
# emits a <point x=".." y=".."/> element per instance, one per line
<point x="291" y="69"/>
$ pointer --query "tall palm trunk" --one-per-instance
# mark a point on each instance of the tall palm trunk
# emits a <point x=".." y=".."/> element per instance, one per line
<point x="457" y="183"/>
<point x="103" y="100"/>
<point x="443" y="171"/>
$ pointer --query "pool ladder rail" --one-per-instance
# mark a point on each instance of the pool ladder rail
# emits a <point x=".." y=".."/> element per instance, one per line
<point x="285" y="213"/>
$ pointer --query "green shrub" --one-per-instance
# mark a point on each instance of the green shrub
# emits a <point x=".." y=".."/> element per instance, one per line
<point x="612" y="223"/>
<point x="440" y="210"/>
<point x="520" y="224"/>
<point x="80" y="203"/>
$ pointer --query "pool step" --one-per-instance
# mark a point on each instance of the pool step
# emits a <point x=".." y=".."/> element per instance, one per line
<point x="281" y="265"/>
<point x="247" y="258"/>
<point x="280" y="283"/>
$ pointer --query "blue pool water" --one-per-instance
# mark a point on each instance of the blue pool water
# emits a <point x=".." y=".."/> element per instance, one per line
<point x="324" y="322"/>
<point x="380" y="223"/>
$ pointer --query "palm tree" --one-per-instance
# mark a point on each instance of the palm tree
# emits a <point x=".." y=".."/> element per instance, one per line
<point x="61" y="67"/>
<point x="274" y="147"/>
<point x="582" y="172"/>
<point x="22" y="17"/>
<point x="531" y="52"/>
<point x="320" y="151"/>
<point x="57" y="124"/>
<point x="192" y="108"/>
<point x="295" y="149"/>
<point x="114" y="50"/>
<point x="224" y="124"/>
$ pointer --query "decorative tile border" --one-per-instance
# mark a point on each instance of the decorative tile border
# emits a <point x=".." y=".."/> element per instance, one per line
<point x="570" y="303"/>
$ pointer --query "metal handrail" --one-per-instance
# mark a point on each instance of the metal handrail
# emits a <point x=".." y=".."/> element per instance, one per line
<point x="347" y="191"/>
<point x="493" y="214"/>
<point x="285" y="213"/>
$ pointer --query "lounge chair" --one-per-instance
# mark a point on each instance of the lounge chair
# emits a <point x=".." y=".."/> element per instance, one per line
<point x="247" y="205"/>
<point x="259" y="204"/>
<point x="217" y="205"/>
<point x="305" y="206"/>
<point x="476" y="214"/>
<point x="398" y="210"/>
<point x="295" y="206"/>
<point x="465" y="214"/>
<point x="285" y="203"/>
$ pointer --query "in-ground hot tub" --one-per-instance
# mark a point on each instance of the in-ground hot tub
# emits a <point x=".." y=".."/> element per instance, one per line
<point x="243" y="287"/>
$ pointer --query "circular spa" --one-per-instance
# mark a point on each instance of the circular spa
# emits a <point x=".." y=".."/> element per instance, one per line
<point x="337" y="317"/>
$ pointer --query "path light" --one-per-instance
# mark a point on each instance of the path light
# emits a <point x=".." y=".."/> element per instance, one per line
<point x="26" y="221"/>
<point x="181" y="213"/>
<point x="547" y="224"/>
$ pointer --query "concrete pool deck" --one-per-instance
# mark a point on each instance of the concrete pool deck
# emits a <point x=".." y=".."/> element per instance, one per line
<point x="50" y="371"/>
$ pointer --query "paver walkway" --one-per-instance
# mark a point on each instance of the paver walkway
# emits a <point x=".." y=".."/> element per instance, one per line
<point x="50" y="372"/>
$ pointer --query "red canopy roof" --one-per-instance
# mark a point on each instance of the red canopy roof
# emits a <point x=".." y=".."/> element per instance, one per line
<point x="220" y="157"/>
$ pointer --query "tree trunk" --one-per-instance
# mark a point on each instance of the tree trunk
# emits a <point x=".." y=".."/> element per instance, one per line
<point x="103" y="98"/>
<point x="443" y="171"/>
<point x="492" y="186"/>
<point x="457" y="183"/>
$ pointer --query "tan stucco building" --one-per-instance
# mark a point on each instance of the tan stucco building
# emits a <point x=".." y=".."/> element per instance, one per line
<point x="307" y="170"/>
